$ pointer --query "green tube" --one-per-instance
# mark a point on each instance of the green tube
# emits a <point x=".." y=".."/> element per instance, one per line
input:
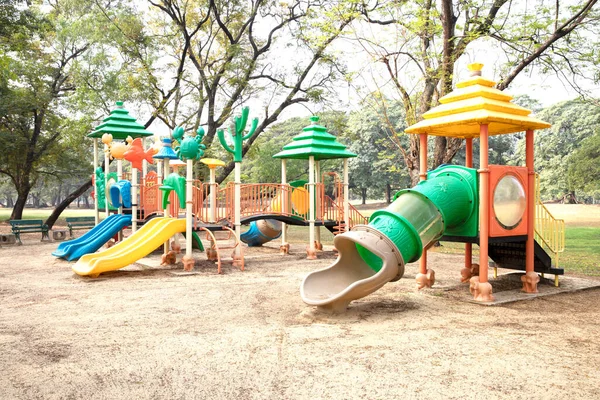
<point x="419" y="216"/>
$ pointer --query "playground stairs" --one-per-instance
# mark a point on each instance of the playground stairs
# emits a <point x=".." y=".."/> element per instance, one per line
<point x="511" y="255"/>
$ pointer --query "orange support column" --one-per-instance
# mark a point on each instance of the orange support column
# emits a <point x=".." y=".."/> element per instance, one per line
<point x="480" y="288"/>
<point x="470" y="269"/>
<point x="425" y="277"/>
<point x="531" y="278"/>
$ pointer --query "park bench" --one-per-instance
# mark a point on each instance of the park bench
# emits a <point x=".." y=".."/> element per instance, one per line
<point x="29" y="226"/>
<point x="75" y="223"/>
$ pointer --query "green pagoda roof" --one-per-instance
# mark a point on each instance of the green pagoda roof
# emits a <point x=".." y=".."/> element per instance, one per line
<point x="120" y="125"/>
<point x="314" y="141"/>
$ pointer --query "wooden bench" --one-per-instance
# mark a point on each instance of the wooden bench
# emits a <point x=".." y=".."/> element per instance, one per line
<point x="75" y="223"/>
<point x="29" y="226"/>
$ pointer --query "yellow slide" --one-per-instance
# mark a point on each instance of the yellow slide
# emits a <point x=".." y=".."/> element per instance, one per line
<point x="140" y="244"/>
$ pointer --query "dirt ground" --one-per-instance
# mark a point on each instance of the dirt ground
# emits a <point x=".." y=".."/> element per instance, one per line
<point x="144" y="333"/>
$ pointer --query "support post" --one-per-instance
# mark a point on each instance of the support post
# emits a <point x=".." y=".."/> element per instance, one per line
<point x="425" y="277"/>
<point x="95" y="189"/>
<point x="480" y="288"/>
<point x="119" y="177"/>
<point x="188" y="259"/>
<point x="213" y="196"/>
<point x="165" y="166"/>
<point x="134" y="199"/>
<point x="470" y="269"/>
<point x="318" y="244"/>
<point x="106" y="172"/>
<point x="345" y="184"/>
<point x="237" y="254"/>
<point x="311" y="251"/>
<point x="531" y="278"/>
<point x="285" y="246"/>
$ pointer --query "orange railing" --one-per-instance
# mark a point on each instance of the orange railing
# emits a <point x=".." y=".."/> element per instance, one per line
<point x="331" y="210"/>
<point x="256" y="199"/>
<point x="203" y="194"/>
<point x="266" y="198"/>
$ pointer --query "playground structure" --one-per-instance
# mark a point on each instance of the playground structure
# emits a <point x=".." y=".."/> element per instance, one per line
<point x="168" y="204"/>
<point x="496" y="207"/>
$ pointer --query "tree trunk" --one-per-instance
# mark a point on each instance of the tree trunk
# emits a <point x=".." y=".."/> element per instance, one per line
<point x="17" y="211"/>
<point x="86" y="198"/>
<point x="65" y="203"/>
<point x="363" y="193"/>
<point x="388" y="193"/>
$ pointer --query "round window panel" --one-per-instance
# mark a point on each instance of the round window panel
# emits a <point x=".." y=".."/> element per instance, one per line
<point x="509" y="202"/>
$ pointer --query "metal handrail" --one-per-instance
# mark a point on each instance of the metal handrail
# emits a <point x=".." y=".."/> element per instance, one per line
<point x="549" y="231"/>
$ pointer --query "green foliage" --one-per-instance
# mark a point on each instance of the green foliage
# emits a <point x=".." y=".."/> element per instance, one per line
<point x="376" y="167"/>
<point x="584" y="166"/>
<point x="260" y="166"/>
<point x="572" y="122"/>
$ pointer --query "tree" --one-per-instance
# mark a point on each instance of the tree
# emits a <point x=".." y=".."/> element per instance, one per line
<point x="218" y="56"/>
<point x="430" y="37"/>
<point x="375" y="170"/>
<point x="230" y="56"/>
<point x="572" y="122"/>
<point x="260" y="166"/>
<point x="36" y="76"/>
<point x="584" y="165"/>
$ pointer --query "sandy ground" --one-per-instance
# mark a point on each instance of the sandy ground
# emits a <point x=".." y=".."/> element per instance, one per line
<point x="144" y="333"/>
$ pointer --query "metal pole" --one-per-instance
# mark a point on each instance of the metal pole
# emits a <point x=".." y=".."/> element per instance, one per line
<point x="166" y="210"/>
<point x="285" y="247"/>
<point x="423" y="176"/>
<point x="238" y="212"/>
<point x="96" y="211"/>
<point x="134" y="199"/>
<point x="318" y="205"/>
<point x="468" y="163"/>
<point x="106" y="172"/>
<point x="188" y="209"/>
<point x="213" y="195"/>
<point x="311" y="251"/>
<point x="530" y="245"/>
<point x="346" y="196"/>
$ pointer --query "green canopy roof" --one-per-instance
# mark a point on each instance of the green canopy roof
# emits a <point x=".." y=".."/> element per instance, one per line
<point x="314" y="141"/>
<point x="120" y="125"/>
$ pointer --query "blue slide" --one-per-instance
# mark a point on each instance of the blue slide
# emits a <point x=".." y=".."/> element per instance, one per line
<point x="94" y="239"/>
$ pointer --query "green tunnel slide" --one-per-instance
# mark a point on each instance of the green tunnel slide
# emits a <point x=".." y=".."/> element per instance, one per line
<point x="444" y="204"/>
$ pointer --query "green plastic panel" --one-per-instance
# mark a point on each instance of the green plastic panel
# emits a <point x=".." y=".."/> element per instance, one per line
<point x="399" y="231"/>
<point x="470" y="226"/>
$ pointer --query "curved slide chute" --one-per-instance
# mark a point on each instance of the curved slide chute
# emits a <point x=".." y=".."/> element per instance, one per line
<point x="144" y="241"/>
<point x="93" y="239"/>
<point x="374" y="254"/>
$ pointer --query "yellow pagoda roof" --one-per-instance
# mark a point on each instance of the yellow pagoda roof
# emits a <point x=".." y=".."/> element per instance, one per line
<point x="476" y="102"/>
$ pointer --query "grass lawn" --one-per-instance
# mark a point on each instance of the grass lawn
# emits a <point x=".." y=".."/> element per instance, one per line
<point x="581" y="255"/>
<point x="582" y="252"/>
<point x="30" y="213"/>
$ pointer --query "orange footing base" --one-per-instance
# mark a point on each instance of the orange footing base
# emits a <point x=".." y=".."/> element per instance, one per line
<point x="467" y="273"/>
<point x="188" y="263"/>
<point x="481" y="291"/>
<point x="530" y="281"/>
<point x="169" y="258"/>
<point x="425" y="280"/>
<point x="311" y="253"/>
<point x="284" y="248"/>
